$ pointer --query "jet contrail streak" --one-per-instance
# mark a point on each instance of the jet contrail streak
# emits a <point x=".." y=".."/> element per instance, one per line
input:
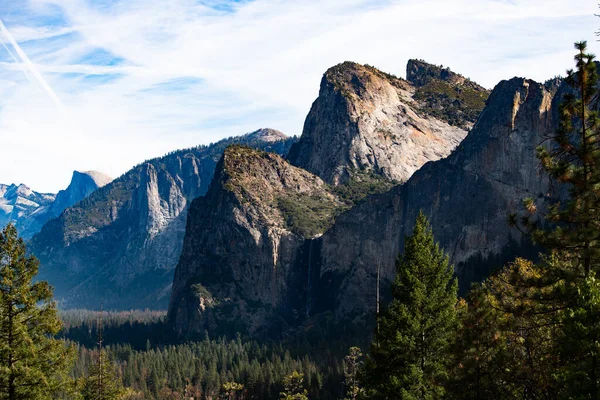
<point x="32" y="69"/>
<point x="16" y="60"/>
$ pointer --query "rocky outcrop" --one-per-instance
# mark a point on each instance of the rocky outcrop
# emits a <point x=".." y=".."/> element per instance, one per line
<point x="21" y="205"/>
<point x="365" y="120"/>
<point x="119" y="246"/>
<point x="240" y="266"/>
<point x="420" y="73"/>
<point x="467" y="196"/>
<point x="444" y="94"/>
<point x="29" y="210"/>
<point x="83" y="183"/>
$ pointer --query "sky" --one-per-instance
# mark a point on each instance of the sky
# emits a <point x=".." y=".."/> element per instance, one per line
<point x="106" y="84"/>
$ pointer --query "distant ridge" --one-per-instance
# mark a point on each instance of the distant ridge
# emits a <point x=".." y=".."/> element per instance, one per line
<point x="120" y="245"/>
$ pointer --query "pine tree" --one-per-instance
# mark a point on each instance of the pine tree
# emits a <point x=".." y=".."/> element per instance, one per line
<point x="33" y="365"/>
<point x="478" y="350"/>
<point x="352" y="364"/>
<point x="505" y="346"/>
<point x="294" y="387"/>
<point x="102" y="382"/>
<point x="573" y="235"/>
<point x="572" y="159"/>
<point x="231" y="391"/>
<point x="581" y="343"/>
<point x="411" y="347"/>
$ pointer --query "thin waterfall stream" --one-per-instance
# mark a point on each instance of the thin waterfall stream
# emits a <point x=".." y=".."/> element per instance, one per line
<point x="309" y="281"/>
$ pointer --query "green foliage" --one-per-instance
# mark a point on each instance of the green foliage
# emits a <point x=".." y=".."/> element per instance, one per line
<point x="33" y="365"/>
<point x="410" y="351"/>
<point x="102" y="381"/>
<point x="362" y="184"/>
<point x="231" y="391"/>
<point x="506" y="343"/>
<point x="308" y="215"/>
<point x="205" y="369"/>
<point x="572" y="233"/>
<point x="456" y="104"/>
<point x="479" y="351"/>
<point x="581" y="338"/>
<point x="201" y="292"/>
<point x="294" y="387"/>
<point x="352" y="364"/>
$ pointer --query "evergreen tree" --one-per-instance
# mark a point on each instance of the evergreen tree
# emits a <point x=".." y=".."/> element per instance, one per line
<point x="352" y="364"/>
<point x="102" y="382"/>
<point x="478" y="349"/>
<point x="294" y="387"/>
<point x="232" y="391"/>
<point x="410" y="351"/>
<point x="580" y="343"/>
<point x="573" y="159"/>
<point x="572" y="233"/>
<point x="505" y="347"/>
<point x="33" y="365"/>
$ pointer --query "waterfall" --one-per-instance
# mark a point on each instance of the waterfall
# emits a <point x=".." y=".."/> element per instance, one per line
<point x="309" y="282"/>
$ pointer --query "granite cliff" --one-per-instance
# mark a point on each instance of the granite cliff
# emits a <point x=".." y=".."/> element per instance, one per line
<point x="333" y="275"/>
<point x="30" y="210"/>
<point x="83" y="183"/>
<point x="251" y="256"/>
<point x="20" y="205"/>
<point x="240" y="263"/>
<point x="365" y="120"/>
<point x="118" y="247"/>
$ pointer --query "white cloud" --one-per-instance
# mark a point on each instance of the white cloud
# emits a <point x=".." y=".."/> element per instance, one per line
<point x="186" y="73"/>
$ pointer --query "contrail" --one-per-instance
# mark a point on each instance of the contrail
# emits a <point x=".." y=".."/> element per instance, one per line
<point x="32" y="69"/>
<point x="16" y="60"/>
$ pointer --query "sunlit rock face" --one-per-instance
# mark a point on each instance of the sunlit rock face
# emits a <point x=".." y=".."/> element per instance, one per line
<point x="119" y="246"/>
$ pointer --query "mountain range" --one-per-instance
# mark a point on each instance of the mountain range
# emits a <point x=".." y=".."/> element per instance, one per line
<point x="30" y="210"/>
<point x="119" y="247"/>
<point x="264" y="235"/>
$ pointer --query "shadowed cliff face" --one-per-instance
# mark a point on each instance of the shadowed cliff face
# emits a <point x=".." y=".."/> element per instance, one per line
<point x="240" y="264"/>
<point x="467" y="196"/>
<point x="119" y="246"/>
<point x="366" y="120"/>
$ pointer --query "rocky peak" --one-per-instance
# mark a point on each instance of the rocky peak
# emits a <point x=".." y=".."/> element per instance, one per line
<point x="122" y="242"/>
<point x="22" y="191"/>
<point x="242" y="241"/>
<point x="278" y="193"/>
<point x="98" y="178"/>
<point x="444" y="94"/>
<point x="22" y="206"/>
<point x="366" y="121"/>
<point x="81" y="186"/>
<point x="266" y="135"/>
<point x="420" y="73"/>
<point x="242" y="270"/>
<point x="466" y="196"/>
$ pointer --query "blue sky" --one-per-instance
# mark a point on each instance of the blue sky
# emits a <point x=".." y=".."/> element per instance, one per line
<point x="105" y="84"/>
